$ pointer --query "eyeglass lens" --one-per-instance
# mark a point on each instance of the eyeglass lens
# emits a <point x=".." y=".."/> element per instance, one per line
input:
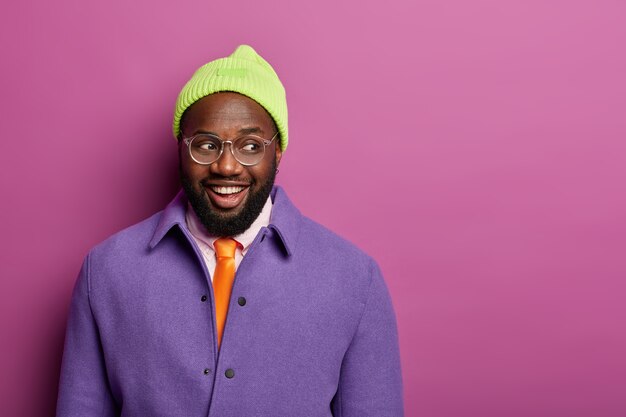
<point x="206" y="149"/>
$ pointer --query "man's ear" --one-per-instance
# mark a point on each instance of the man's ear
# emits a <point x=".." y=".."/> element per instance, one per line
<point x="279" y="153"/>
<point x="180" y="145"/>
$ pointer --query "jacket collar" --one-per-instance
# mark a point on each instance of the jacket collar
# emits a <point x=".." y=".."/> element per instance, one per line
<point x="285" y="219"/>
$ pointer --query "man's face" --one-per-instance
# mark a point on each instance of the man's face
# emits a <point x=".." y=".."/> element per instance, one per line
<point x="228" y="115"/>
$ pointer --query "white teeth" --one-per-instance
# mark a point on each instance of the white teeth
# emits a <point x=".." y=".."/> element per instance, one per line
<point x="227" y="190"/>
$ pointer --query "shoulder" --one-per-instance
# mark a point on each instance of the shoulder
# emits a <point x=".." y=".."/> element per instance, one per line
<point x="318" y="238"/>
<point x="335" y="258"/>
<point x="318" y="250"/>
<point x="115" y="261"/>
<point x="128" y="242"/>
<point x="309" y="240"/>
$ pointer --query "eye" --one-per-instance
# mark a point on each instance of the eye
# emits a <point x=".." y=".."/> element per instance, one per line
<point x="207" y="146"/>
<point x="201" y="144"/>
<point x="249" y="145"/>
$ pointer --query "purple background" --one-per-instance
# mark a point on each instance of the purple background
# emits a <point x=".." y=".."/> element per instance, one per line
<point x="475" y="148"/>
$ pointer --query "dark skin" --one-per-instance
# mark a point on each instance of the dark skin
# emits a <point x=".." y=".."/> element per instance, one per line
<point x="228" y="115"/>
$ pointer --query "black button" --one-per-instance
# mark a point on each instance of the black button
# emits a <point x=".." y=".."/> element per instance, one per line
<point x="203" y="298"/>
<point x="229" y="373"/>
<point x="241" y="301"/>
<point x="207" y="371"/>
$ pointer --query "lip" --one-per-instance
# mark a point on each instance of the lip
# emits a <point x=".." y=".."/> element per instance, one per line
<point x="227" y="201"/>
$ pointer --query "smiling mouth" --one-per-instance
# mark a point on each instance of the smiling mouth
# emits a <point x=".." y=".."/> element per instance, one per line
<point x="226" y="190"/>
<point x="227" y="197"/>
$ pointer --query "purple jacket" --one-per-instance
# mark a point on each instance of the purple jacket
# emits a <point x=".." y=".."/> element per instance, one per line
<point x="310" y="330"/>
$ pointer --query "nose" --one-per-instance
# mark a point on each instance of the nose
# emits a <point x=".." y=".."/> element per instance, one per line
<point x="226" y="165"/>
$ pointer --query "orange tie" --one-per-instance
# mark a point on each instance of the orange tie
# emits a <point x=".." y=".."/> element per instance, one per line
<point x="223" y="281"/>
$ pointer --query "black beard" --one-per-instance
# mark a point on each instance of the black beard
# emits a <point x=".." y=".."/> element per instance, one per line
<point x="214" y="222"/>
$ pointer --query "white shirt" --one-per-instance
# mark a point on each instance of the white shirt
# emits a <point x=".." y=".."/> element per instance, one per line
<point x="205" y="241"/>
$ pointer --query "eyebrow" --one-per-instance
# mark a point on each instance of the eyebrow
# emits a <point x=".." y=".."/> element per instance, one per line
<point x="248" y="130"/>
<point x="244" y="131"/>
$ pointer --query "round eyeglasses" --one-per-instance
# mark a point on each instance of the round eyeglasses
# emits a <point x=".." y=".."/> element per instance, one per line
<point x="206" y="148"/>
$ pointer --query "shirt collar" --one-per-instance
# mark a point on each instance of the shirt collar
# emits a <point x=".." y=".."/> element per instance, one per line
<point x="284" y="220"/>
<point x="245" y="239"/>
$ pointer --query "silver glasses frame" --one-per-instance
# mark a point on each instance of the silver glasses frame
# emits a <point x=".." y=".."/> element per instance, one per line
<point x="265" y="142"/>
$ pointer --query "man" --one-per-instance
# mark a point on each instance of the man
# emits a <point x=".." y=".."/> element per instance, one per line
<point x="230" y="302"/>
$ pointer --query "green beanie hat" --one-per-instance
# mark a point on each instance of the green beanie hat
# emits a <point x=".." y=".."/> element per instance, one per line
<point x="244" y="72"/>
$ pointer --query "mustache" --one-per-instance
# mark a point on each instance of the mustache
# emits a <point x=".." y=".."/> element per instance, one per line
<point x="207" y="180"/>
